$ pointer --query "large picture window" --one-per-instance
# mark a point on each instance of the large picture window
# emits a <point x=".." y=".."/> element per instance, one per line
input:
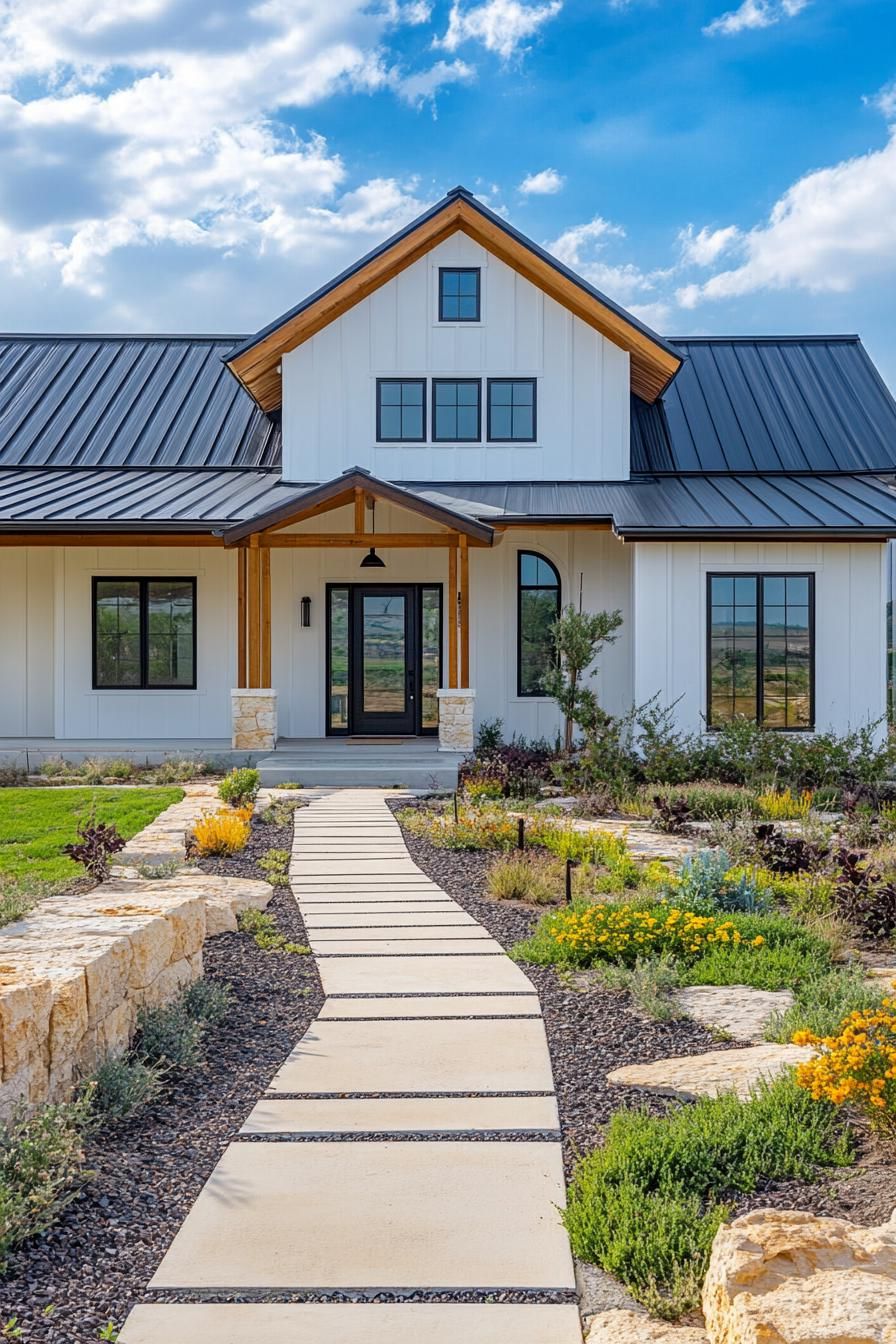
<point x="538" y="606"/>
<point x="144" y="634"/>
<point x="761" y="656"/>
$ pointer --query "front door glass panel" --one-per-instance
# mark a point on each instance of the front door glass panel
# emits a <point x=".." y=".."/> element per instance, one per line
<point x="339" y="680"/>
<point x="430" y="656"/>
<point x="384" y="635"/>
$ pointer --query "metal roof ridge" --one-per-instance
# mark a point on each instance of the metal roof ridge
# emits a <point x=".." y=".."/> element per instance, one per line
<point x="119" y="336"/>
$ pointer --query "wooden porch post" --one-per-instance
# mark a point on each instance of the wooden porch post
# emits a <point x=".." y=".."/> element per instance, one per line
<point x="265" y="615"/>
<point x="253" y="613"/>
<point x="452" y="617"/>
<point x="464" y="609"/>
<point x="241" y="618"/>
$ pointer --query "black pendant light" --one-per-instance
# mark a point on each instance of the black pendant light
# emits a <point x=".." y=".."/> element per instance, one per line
<point x="371" y="559"/>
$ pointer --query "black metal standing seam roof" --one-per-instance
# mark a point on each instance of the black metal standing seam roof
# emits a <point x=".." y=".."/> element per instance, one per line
<point x="768" y="404"/>
<point x="134" y="401"/>
<point x="34" y="499"/>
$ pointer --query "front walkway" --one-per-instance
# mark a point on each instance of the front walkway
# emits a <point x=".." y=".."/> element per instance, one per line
<point x="399" y="1181"/>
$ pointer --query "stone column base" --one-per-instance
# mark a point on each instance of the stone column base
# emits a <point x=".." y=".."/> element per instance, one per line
<point x="456" y="719"/>
<point x="254" y="718"/>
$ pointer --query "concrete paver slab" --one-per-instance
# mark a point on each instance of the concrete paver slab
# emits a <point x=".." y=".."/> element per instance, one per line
<point x="423" y="947"/>
<point x="397" y="1115"/>
<point x="385" y="1215"/>
<point x="420" y="975"/>
<point x="394" y="919"/>
<point x="510" y="1055"/>
<point x="435" y="1005"/>
<point x="354" y="1323"/>
<point x="330" y="939"/>
<point x="361" y="906"/>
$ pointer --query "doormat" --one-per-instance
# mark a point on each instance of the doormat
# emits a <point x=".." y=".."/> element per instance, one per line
<point x="379" y="741"/>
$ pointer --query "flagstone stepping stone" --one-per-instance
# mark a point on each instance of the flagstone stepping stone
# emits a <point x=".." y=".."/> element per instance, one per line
<point x="353" y="1323"/>
<point x="401" y="1115"/>
<point x="420" y="975"/>
<point x="739" y="1010"/>
<point x="376" y="1215"/>
<point x="510" y="1055"/>
<point x="711" y="1074"/>
<point x="881" y="977"/>
<point x="435" y="1005"/>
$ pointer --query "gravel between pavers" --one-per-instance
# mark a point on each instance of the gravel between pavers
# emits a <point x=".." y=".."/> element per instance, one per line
<point x="95" y="1263"/>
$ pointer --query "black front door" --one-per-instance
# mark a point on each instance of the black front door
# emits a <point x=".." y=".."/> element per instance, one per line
<point x="384" y="662"/>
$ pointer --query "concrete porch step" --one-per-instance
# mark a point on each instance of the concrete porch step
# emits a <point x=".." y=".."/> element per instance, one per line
<point x="362" y="767"/>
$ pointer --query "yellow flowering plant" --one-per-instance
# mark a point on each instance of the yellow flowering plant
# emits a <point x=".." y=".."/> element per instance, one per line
<point x="857" y="1066"/>
<point x="584" y="934"/>
<point x="783" y="805"/>
<point x="224" y="832"/>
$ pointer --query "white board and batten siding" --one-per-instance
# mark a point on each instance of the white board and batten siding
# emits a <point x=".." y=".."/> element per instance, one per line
<point x="669" y="614"/>
<point x="582" y="381"/>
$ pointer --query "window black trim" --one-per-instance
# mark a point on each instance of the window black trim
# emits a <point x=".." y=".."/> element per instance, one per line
<point x="533" y="437"/>
<point x="760" y="576"/>
<point x="380" y="436"/>
<point x="530" y="588"/>
<point x="436" y="382"/>
<point x="143" y="586"/>
<point x="461" y="270"/>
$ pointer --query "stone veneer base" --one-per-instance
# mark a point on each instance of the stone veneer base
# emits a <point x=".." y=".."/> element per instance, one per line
<point x="253" y="712"/>
<point x="456" y="708"/>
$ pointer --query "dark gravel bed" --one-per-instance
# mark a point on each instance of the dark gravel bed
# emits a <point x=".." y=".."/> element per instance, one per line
<point x="592" y="1031"/>
<point x="95" y="1263"/>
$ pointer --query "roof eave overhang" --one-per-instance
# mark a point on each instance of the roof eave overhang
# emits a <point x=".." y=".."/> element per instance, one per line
<point x="654" y="362"/>
<point x="858" y="533"/>
<point x="343" y="486"/>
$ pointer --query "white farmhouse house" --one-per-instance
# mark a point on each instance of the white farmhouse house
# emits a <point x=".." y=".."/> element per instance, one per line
<point x="359" y="523"/>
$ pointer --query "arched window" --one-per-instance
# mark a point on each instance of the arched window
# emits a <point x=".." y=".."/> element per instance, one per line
<point x="538" y="606"/>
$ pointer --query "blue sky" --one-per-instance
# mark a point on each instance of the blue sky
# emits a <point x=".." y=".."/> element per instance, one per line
<point x="716" y="165"/>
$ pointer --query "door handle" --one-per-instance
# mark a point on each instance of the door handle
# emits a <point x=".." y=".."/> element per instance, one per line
<point x="410" y="684"/>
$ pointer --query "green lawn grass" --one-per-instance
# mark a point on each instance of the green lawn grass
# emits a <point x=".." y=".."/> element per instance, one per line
<point x="36" y="823"/>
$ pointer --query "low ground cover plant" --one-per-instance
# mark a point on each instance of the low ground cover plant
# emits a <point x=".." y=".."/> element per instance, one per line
<point x="646" y="1205"/>
<point x="824" y="1002"/>
<point x="262" y="928"/>
<point x="239" y="787"/>
<point x="275" y="866"/>
<point x="856" y="1064"/>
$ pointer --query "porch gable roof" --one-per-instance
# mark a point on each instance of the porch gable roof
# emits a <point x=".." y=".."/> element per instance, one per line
<point x="341" y="490"/>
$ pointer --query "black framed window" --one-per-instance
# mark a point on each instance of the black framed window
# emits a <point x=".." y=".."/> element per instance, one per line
<point x="456" y="410"/>
<point x="538" y="607"/>
<point x="144" y="634"/>
<point x="459" y="291"/>
<point x="761" y="649"/>
<point x="401" y="410"/>
<point x="511" y="410"/>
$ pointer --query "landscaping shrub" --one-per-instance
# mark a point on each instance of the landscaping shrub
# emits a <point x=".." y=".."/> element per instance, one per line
<point x="208" y="1001"/>
<point x="824" y="1002"/>
<point x="41" y="1168"/>
<point x="806" y="895"/>
<point x="122" y="1084"/>
<point x="280" y="813"/>
<point x="583" y="934"/>
<point x="671" y="814"/>
<point x="97" y="842"/>
<point x="651" y="982"/>
<point x="480" y="789"/>
<point x="517" y="768"/>
<point x="169" y="1037"/>
<point x="787" y="956"/>
<point x="54" y="767"/>
<point x="525" y="877"/>
<point x="856" y="1064"/>
<point x="863" y="898"/>
<point x="704" y="799"/>
<point x="782" y="805"/>
<point x="706" y="881"/>
<point x="262" y="928"/>
<point x="646" y="1205"/>
<point x="177" y="771"/>
<point x="239" y="787"/>
<point x="783" y="853"/>
<point x="221" y="832"/>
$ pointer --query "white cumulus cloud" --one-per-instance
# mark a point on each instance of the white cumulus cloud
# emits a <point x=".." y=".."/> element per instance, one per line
<point x="752" y="14"/>
<point x="502" y="26"/>
<point x="546" y="183"/>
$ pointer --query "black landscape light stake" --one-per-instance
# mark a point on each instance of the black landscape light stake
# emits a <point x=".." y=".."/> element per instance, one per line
<point x="521" y="833"/>
<point x="570" y="864"/>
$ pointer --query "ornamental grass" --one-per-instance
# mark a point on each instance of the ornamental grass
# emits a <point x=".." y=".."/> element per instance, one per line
<point x="585" y="934"/>
<point x="857" y="1066"/>
<point x="783" y="805"/>
<point x="225" y="832"/>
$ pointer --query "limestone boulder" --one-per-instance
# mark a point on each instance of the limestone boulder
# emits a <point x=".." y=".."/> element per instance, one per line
<point x="709" y="1075"/>
<point x="633" y="1327"/>
<point x="781" y="1277"/>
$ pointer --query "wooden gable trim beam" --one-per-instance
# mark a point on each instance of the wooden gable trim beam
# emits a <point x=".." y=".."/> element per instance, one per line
<point x="653" y="364"/>
<point x="383" y="540"/>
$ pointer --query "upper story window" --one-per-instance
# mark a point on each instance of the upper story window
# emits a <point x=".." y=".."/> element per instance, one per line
<point x="459" y="294"/>
<point x="456" y="410"/>
<point x="401" y="410"/>
<point x="761" y="649"/>
<point x="511" y="410"/>
<point x="538" y="607"/>
<point x="144" y="634"/>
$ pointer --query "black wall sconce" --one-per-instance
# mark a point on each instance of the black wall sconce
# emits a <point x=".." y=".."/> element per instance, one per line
<point x="306" y="612"/>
